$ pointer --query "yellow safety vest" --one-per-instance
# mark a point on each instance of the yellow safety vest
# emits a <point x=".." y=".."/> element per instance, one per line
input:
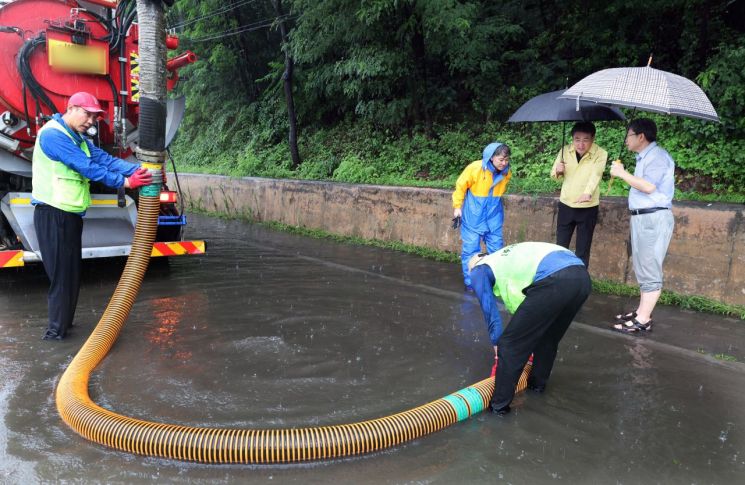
<point x="514" y="269"/>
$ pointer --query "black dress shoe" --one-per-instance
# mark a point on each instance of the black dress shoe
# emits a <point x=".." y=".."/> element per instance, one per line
<point x="499" y="411"/>
<point x="52" y="336"/>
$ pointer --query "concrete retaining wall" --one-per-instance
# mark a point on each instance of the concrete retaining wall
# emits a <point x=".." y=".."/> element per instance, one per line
<point x="706" y="256"/>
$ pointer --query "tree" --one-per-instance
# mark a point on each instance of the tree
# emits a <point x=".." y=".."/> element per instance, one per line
<point x="287" y="81"/>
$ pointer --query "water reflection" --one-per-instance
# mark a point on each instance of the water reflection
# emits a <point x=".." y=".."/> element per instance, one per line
<point x="169" y="313"/>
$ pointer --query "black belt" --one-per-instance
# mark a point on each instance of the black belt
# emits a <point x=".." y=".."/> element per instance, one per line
<point x="636" y="212"/>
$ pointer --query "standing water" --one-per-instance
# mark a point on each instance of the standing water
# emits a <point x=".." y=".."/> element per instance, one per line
<point x="276" y="330"/>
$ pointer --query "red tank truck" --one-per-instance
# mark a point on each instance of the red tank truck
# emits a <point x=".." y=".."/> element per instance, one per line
<point x="50" y="49"/>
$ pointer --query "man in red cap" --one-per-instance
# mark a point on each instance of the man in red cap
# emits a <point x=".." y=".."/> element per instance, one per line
<point x="64" y="163"/>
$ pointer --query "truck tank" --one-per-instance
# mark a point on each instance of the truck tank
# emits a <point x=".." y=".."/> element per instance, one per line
<point x="49" y="50"/>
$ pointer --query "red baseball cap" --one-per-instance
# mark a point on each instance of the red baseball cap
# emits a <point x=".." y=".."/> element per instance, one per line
<point x="86" y="101"/>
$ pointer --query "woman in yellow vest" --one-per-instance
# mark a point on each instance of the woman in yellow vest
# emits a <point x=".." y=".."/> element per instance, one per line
<point x="63" y="164"/>
<point x="544" y="286"/>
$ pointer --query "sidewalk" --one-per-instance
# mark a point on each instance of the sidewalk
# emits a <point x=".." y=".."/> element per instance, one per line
<point x="714" y="335"/>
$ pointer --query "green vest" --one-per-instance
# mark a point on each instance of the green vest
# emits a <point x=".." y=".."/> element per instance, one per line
<point x="56" y="184"/>
<point x="514" y="269"/>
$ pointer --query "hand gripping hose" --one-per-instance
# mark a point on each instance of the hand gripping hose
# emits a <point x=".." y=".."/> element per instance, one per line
<point x="226" y="445"/>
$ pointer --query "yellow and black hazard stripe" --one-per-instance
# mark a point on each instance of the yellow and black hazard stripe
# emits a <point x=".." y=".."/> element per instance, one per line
<point x="134" y="76"/>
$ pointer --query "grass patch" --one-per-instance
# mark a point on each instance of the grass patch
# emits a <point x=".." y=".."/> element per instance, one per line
<point x="725" y="357"/>
<point x="722" y="356"/>
<point x="689" y="302"/>
<point x="434" y="254"/>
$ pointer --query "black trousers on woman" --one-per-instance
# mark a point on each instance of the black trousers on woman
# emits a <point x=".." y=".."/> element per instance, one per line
<point x="537" y="326"/>
<point x="60" y="237"/>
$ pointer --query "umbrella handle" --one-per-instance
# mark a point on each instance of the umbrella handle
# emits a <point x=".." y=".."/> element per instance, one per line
<point x="610" y="184"/>
<point x="610" y="181"/>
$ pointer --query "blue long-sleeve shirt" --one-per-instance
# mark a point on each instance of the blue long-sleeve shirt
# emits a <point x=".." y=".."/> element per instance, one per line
<point x="483" y="280"/>
<point x="99" y="167"/>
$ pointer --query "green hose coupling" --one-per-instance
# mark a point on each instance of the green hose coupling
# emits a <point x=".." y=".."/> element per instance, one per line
<point x="465" y="403"/>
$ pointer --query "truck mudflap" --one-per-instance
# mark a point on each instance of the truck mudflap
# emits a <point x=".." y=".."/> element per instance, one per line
<point x="19" y="257"/>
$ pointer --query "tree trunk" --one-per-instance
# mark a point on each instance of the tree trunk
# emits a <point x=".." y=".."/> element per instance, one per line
<point x="287" y="80"/>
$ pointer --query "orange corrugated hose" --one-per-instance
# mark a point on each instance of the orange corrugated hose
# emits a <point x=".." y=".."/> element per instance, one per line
<point x="226" y="445"/>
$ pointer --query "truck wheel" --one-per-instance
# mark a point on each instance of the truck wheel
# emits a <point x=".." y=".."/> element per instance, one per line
<point x="8" y="240"/>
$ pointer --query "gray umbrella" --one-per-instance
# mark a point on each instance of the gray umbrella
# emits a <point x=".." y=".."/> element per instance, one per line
<point x="549" y="107"/>
<point x="644" y="88"/>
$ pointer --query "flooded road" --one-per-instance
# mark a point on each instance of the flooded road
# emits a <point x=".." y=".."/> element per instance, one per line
<point x="276" y="330"/>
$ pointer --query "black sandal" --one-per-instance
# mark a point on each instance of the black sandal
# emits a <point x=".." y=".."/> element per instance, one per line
<point x="633" y="326"/>
<point x="626" y="317"/>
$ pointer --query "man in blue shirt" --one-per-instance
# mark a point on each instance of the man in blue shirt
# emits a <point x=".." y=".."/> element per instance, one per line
<point x="63" y="164"/>
<point x="652" y="222"/>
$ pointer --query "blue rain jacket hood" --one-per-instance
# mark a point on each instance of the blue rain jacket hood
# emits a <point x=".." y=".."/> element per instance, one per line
<point x="488" y="153"/>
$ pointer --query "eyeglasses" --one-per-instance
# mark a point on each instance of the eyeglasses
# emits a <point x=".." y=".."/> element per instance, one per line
<point x="632" y="134"/>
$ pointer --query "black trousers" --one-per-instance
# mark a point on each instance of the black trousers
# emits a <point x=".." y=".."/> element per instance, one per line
<point x="584" y="220"/>
<point x="537" y="326"/>
<point x="60" y="237"/>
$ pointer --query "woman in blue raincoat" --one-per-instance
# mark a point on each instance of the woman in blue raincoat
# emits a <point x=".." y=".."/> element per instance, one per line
<point x="477" y="203"/>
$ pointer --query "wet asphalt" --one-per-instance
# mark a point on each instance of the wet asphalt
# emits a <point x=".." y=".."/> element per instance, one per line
<point x="277" y="330"/>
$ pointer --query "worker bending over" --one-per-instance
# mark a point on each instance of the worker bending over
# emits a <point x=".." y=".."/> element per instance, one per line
<point x="544" y="286"/>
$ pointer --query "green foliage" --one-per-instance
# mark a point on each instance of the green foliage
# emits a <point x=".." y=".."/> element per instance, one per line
<point x="360" y="153"/>
<point x="353" y="169"/>
<point x="724" y="80"/>
<point x="410" y="91"/>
